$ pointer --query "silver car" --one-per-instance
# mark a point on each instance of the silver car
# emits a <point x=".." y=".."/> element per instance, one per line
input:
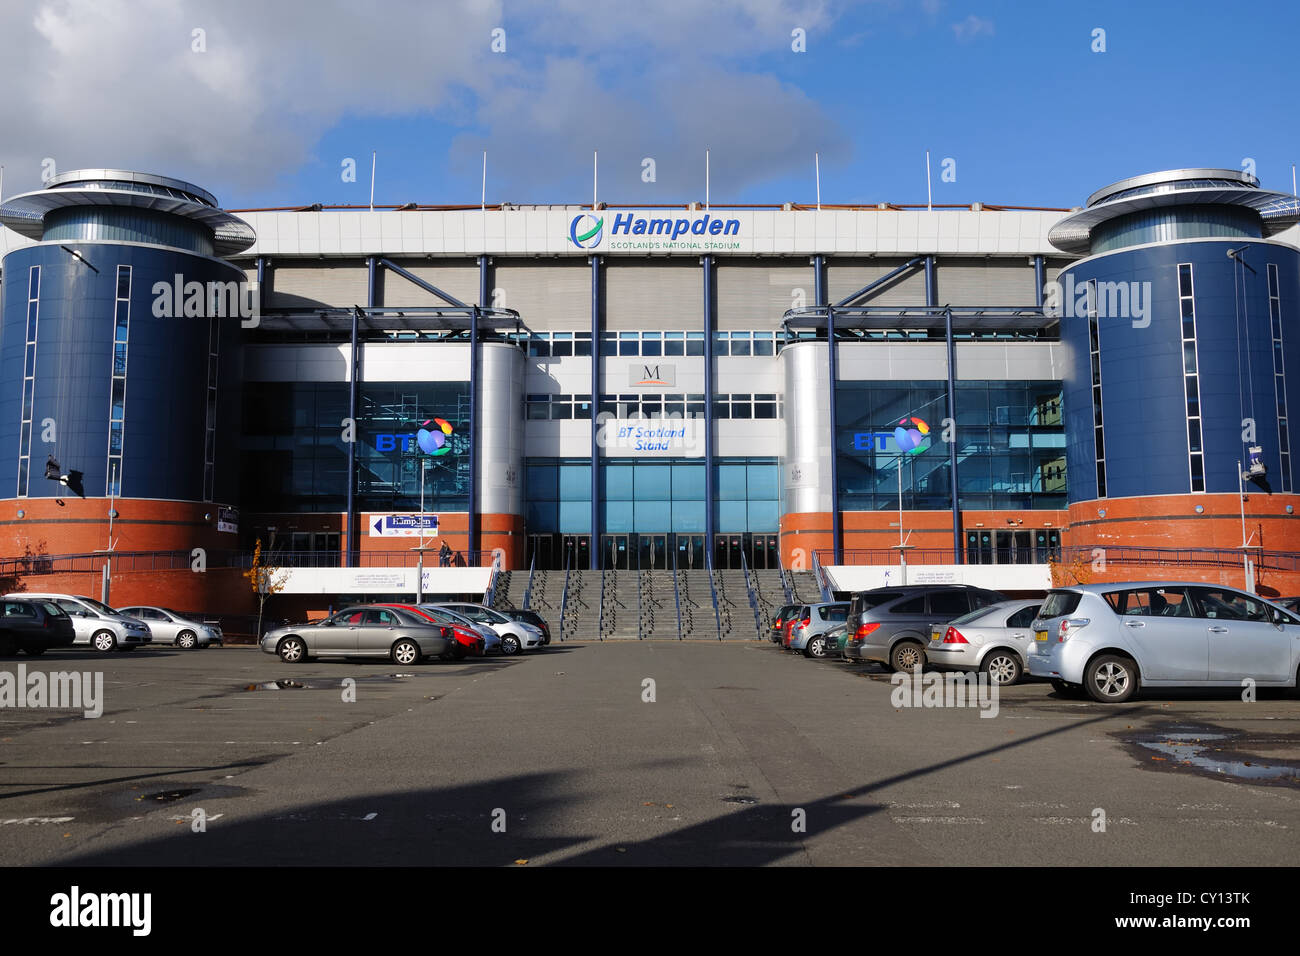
<point x="403" y="637"/>
<point x="515" y="635"/>
<point x="97" y="624"/>
<point x="172" y="627"/>
<point x="491" y="639"/>
<point x="994" y="640"/>
<point x="891" y="625"/>
<point x="811" y="622"/>
<point x="1113" y="639"/>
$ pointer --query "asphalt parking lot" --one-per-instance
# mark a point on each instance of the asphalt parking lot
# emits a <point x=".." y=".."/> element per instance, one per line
<point x="735" y="754"/>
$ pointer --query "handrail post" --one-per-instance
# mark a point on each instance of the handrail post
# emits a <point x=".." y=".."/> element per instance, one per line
<point x="753" y="596"/>
<point x="528" y="588"/>
<point x="564" y="594"/>
<point x="677" y="597"/>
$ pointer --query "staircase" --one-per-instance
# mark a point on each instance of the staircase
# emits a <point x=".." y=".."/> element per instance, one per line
<point x="734" y="609"/>
<point x="545" y="597"/>
<point x="581" y="607"/>
<point x="658" y="619"/>
<point x="770" y="591"/>
<point x="695" y="592"/>
<point x="804" y="586"/>
<point x="508" y="595"/>
<point x="619" y="605"/>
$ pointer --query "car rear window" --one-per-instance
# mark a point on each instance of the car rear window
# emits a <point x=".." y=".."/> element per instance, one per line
<point x="866" y="600"/>
<point x="1060" y="603"/>
<point x="53" y="610"/>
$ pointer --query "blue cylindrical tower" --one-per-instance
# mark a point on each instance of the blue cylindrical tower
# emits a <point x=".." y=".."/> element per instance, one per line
<point x="1182" y="328"/>
<point x="119" y="358"/>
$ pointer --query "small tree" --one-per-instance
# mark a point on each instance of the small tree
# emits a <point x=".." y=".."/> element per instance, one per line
<point x="266" y="579"/>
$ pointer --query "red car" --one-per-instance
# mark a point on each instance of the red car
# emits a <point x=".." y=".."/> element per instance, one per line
<point x="468" y="644"/>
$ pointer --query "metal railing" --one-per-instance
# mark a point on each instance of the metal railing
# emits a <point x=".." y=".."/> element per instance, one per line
<point x="528" y="588"/>
<point x="823" y="585"/>
<point x="600" y="609"/>
<point x="677" y="598"/>
<point x="713" y="592"/>
<point x="753" y="596"/>
<point x="1116" y="554"/>
<point x="564" y="595"/>
<point x="226" y="558"/>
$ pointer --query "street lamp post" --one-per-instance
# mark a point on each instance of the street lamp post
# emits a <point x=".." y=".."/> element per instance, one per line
<point x="1245" y="543"/>
<point x="902" y="545"/>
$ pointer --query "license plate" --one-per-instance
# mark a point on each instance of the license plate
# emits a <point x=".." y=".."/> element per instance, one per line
<point x="1040" y="635"/>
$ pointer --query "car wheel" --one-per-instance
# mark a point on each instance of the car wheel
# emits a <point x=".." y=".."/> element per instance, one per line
<point x="187" y="639"/>
<point x="907" y="656"/>
<point x="406" y="651"/>
<point x="1111" y="679"/>
<point x="816" y="647"/>
<point x="104" y="641"/>
<point x="292" y="650"/>
<point x="509" y="644"/>
<point x="1002" y="667"/>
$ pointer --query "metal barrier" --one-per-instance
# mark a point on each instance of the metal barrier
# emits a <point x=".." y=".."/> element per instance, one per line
<point x="1118" y="554"/>
<point x="677" y="598"/>
<point x="753" y="595"/>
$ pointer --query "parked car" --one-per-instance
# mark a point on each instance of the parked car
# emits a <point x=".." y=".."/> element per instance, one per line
<point x="529" y="616"/>
<point x="515" y="635"/>
<point x="810" y="623"/>
<point x="491" y="639"/>
<point x="779" y="622"/>
<point x="171" y="627"/>
<point x="1292" y="604"/>
<point x="994" y="639"/>
<point x="891" y="625"/>
<point x="96" y="623"/>
<point x="468" y="642"/>
<point x="1111" y="640"/>
<point x="364" y="631"/>
<point x="33" y="626"/>
<point x="835" y="638"/>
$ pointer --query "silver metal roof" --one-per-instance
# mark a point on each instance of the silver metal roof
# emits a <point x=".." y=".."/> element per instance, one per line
<point x="1176" y="187"/>
<point x="25" y="213"/>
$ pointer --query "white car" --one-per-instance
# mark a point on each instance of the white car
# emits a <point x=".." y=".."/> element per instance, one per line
<point x="96" y="623"/>
<point x="172" y="627"/>
<point x="994" y="639"/>
<point x="516" y="636"/>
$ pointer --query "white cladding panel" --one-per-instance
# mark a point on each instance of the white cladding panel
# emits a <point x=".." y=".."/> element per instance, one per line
<point x="339" y="284"/>
<point x="985" y="281"/>
<point x="653" y="294"/>
<point x="548" y="294"/>
<point x="458" y="280"/>
<point x="846" y="276"/>
<point x="755" y="294"/>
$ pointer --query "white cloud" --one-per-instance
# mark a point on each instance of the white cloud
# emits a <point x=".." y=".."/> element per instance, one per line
<point x="973" y="27"/>
<point x="115" y="83"/>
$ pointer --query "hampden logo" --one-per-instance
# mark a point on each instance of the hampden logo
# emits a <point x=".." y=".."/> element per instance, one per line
<point x="586" y="231"/>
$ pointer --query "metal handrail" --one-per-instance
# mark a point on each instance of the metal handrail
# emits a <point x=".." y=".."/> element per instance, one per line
<point x="640" y="608"/>
<point x="753" y="594"/>
<point x="822" y="584"/>
<point x="528" y="588"/>
<point x="600" y="608"/>
<point x="564" y="595"/>
<point x="713" y="591"/>
<point x="677" y="597"/>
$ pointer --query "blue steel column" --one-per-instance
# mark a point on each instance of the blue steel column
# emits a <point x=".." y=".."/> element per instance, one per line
<point x="483" y="299"/>
<point x="595" y="551"/>
<point x="952" y="445"/>
<point x="832" y="362"/>
<point x="354" y="550"/>
<point x="710" y="491"/>
<point x="1039" y="277"/>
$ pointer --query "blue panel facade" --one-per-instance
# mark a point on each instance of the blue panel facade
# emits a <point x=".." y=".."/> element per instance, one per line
<point x="1146" y="373"/>
<point x="164" y="405"/>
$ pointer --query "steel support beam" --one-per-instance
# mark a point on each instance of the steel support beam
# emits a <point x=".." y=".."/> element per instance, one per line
<point x="952" y="445"/>
<point x="1040" y="280"/>
<point x="595" y="551"/>
<point x="474" y="361"/>
<point x="909" y="264"/>
<point x="820" y="287"/>
<point x="710" y="490"/>
<point x="426" y="286"/>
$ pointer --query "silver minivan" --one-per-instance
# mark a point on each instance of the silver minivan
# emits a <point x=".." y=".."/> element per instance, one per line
<point x="1110" y="640"/>
<point x="96" y="623"/>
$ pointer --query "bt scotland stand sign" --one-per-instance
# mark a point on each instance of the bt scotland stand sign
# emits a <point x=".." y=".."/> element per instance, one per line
<point x="651" y="231"/>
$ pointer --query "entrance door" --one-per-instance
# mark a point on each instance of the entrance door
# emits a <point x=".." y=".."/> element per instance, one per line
<point x="979" y="547"/>
<point x="614" y="547"/>
<point x="652" y="552"/>
<point x="541" y="551"/>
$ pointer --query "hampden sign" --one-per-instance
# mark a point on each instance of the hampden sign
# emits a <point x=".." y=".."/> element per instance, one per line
<point x="652" y="231"/>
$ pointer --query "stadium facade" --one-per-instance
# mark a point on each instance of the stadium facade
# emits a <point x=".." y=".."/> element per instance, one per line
<point x="600" y="387"/>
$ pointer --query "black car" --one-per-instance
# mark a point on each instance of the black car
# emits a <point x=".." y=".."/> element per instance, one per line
<point x="530" y="617"/>
<point x="33" y="625"/>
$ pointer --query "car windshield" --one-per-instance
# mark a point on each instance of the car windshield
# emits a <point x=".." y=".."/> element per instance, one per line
<point x="101" y="608"/>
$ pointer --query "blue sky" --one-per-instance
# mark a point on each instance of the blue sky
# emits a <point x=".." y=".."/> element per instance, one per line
<point x="1011" y="92"/>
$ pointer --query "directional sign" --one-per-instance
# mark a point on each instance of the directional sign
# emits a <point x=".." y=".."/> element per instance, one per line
<point x="403" y="526"/>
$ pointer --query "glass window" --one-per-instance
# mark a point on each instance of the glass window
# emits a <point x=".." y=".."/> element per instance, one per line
<point x="561" y="344"/>
<point x="915" y="606"/>
<point x="694" y="343"/>
<point x="582" y="343"/>
<point x="740" y="342"/>
<point x="651" y="344"/>
<point x="1221" y="604"/>
<point x="124" y="282"/>
<point x="721" y="343"/>
<point x="948" y="604"/>
<point x="629" y="343"/>
<point x="764" y="343"/>
<point x="538" y="407"/>
<point x="674" y="343"/>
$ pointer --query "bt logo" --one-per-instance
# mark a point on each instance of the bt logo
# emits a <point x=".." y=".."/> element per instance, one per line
<point x="435" y="442"/>
<point x="911" y="435"/>
<point x="586" y="231"/>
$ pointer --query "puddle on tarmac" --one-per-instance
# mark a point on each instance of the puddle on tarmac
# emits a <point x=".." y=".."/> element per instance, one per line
<point x="327" y="683"/>
<point x="1214" y="753"/>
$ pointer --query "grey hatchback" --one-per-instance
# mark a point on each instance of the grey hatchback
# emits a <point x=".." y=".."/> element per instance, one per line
<point x="892" y="625"/>
<point x="401" y="636"/>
